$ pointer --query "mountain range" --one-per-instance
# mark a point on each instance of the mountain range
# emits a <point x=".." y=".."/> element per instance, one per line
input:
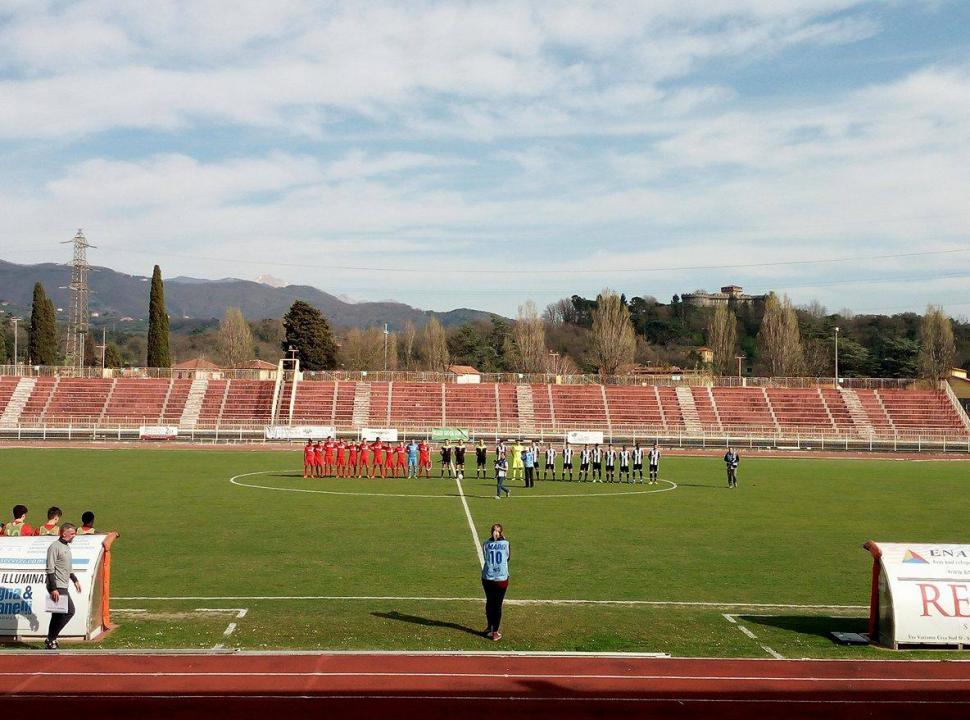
<point x="119" y="295"/>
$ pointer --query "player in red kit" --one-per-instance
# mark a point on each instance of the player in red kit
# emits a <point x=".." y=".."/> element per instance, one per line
<point x="317" y="459"/>
<point x="308" y="459"/>
<point x="328" y="458"/>
<point x="352" y="459"/>
<point x="377" y="458"/>
<point x="424" y="459"/>
<point x="401" y="460"/>
<point x="363" y="460"/>
<point x="388" y="460"/>
<point x="341" y="459"/>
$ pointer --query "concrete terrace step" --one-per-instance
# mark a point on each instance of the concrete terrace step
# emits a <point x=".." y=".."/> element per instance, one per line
<point x="18" y="399"/>
<point x="688" y="409"/>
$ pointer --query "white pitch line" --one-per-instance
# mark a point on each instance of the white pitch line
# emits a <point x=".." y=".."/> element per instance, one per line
<point x="471" y="526"/>
<point x="730" y="618"/>
<point x="536" y="601"/>
<point x="747" y="632"/>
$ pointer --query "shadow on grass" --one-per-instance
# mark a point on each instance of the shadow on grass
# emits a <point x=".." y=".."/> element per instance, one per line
<point x="427" y="622"/>
<point x="809" y="624"/>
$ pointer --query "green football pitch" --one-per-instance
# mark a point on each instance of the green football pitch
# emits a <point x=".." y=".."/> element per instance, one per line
<point x="236" y="541"/>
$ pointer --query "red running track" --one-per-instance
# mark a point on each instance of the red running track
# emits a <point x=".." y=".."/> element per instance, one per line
<point x="458" y="687"/>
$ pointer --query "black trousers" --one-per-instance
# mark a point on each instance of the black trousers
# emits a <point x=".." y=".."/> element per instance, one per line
<point x="59" y="620"/>
<point x="530" y="477"/>
<point x="494" y="597"/>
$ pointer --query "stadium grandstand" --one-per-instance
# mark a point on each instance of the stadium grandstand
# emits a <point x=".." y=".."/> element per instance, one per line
<point x="232" y="402"/>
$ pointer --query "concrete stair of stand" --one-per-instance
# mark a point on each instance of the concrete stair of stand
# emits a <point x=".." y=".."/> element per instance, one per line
<point x="193" y="404"/>
<point x="688" y="409"/>
<point x="17" y="402"/>
<point x="526" y="403"/>
<point x="361" y="414"/>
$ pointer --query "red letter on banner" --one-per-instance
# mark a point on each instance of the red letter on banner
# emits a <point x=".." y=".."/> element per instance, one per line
<point x="960" y="601"/>
<point x="927" y="601"/>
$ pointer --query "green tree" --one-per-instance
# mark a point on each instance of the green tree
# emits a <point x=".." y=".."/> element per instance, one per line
<point x="3" y="339"/>
<point x="92" y="353"/>
<point x="42" y="338"/>
<point x="899" y="358"/>
<point x="159" y="352"/>
<point x="307" y="331"/>
<point x="112" y="357"/>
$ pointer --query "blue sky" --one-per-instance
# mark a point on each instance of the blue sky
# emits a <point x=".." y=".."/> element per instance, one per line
<point x="422" y="151"/>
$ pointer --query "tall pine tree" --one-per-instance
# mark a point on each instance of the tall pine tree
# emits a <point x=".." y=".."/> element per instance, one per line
<point x="42" y="339"/>
<point x="308" y="332"/>
<point x="159" y="354"/>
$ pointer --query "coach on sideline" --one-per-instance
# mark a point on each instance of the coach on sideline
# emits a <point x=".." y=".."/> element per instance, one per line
<point x="59" y="563"/>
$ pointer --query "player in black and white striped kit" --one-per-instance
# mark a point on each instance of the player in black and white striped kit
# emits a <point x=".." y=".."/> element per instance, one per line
<point x="610" y="457"/>
<point x="550" y="465"/>
<point x="637" y="463"/>
<point x="653" y="457"/>
<point x="624" y="464"/>
<point x="597" y="464"/>
<point x="567" y="461"/>
<point x="584" y="456"/>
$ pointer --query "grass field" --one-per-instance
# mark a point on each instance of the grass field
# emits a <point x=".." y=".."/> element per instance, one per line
<point x="396" y="563"/>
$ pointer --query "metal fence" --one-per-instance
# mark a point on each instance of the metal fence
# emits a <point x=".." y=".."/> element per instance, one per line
<point x="421" y="376"/>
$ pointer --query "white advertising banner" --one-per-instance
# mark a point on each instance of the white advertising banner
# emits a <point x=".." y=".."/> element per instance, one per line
<point x="23" y="587"/>
<point x="584" y="437"/>
<point x="299" y="432"/>
<point x="923" y="593"/>
<point x="385" y="434"/>
<point x="158" y="432"/>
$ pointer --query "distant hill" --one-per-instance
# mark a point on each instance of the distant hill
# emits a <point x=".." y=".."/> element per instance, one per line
<point x="115" y="294"/>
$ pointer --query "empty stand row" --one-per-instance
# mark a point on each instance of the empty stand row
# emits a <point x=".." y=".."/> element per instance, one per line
<point x="487" y="407"/>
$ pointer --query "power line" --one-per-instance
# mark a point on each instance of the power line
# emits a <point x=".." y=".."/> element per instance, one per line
<point x="435" y="269"/>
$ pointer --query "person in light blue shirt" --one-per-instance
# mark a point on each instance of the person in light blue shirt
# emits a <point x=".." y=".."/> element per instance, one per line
<point x="495" y="579"/>
<point x="412" y="458"/>
<point x="529" y="462"/>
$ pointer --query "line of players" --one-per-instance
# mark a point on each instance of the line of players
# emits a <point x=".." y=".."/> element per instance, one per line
<point x="362" y="459"/>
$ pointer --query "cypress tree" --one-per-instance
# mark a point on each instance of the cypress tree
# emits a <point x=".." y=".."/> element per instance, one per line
<point x="308" y="332"/>
<point x="42" y="338"/>
<point x="92" y="353"/>
<point x="3" y="340"/>
<point x="159" y="354"/>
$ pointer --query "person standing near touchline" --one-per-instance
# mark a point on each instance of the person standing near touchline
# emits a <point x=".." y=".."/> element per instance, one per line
<point x="731" y="460"/>
<point x="495" y="579"/>
<point x="59" y="572"/>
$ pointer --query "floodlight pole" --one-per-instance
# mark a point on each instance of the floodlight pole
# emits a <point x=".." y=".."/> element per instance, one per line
<point x="385" y="347"/>
<point x="836" y="357"/>
<point x="739" y="358"/>
<point x="16" y="357"/>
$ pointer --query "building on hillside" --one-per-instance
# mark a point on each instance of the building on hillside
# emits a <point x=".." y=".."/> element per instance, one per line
<point x="465" y="374"/>
<point x="705" y="354"/>
<point x="258" y="370"/>
<point x="702" y="298"/>
<point x="648" y="374"/>
<point x="960" y="385"/>
<point x="196" y="368"/>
